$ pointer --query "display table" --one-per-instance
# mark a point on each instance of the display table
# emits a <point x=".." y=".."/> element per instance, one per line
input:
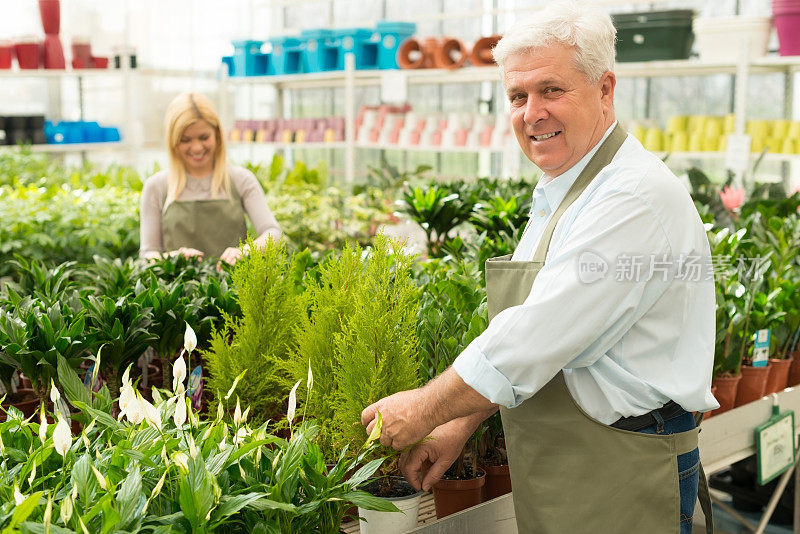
<point x="724" y="439"/>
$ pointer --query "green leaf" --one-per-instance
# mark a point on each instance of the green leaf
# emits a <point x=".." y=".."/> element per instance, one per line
<point x="130" y="497"/>
<point x="369" y="502"/>
<point x="73" y="387"/>
<point x="22" y="511"/>
<point x="231" y="505"/>
<point x="264" y="505"/>
<point x="39" y="528"/>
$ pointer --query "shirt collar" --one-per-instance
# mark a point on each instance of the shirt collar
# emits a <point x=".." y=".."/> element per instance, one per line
<point x="555" y="189"/>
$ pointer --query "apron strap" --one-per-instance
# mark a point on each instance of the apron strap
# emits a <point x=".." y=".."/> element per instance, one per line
<point x="601" y="158"/>
<point x="702" y="488"/>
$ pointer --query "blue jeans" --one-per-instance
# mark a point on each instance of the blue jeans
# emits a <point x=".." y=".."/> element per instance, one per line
<point x="688" y="465"/>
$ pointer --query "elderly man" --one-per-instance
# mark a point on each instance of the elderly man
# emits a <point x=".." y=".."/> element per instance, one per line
<point x="601" y="337"/>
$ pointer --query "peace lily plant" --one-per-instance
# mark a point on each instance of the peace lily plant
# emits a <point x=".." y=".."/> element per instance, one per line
<point x="159" y="467"/>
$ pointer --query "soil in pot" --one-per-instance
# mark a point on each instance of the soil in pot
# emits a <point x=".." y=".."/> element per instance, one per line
<point x="453" y="494"/>
<point x="778" y="375"/>
<point x="753" y="384"/>
<point x="403" y="495"/>
<point x="726" y="392"/>
<point x="25" y="400"/>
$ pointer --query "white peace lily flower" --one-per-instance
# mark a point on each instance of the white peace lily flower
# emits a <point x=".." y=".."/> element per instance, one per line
<point x="245" y="414"/>
<point x="74" y="492"/>
<point x="86" y="442"/>
<point x="33" y="475"/>
<point x="126" y="375"/>
<point x="220" y="412"/>
<point x="180" y="412"/>
<point x="159" y="485"/>
<point x="151" y="414"/>
<point x="42" y="426"/>
<point x="54" y="394"/>
<point x="133" y="410"/>
<point x="48" y="514"/>
<point x="189" y="339"/>
<point x="192" y="447"/>
<point x="126" y="394"/>
<point x="157" y="398"/>
<point x="181" y="460"/>
<point x="237" y="413"/>
<point x="223" y="445"/>
<point x="62" y="437"/>
<point x="241" y="434"/>
<point x="100" y="478"/>
<point x="178" y="373"/>
<point x="292" y="403"/>
<point x="2" y="446"/>
<point x="310" y="380"/>
<point x="66" y="509"/>
<point x="19" y="498"/>
<point x="235" y="383"/>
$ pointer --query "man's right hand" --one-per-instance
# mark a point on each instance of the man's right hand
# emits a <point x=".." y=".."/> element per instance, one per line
<point x="427" y="462"/>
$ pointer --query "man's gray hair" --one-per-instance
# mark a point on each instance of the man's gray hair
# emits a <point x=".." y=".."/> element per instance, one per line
<point x="587" y="28"/>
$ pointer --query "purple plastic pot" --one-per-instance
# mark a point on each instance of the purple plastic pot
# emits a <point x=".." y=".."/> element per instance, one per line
<point x="788" y="28"/>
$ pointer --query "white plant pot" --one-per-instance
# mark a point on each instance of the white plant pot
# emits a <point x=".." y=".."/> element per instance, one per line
<point x="391" y="522"/>
<point x="726" y="39"/>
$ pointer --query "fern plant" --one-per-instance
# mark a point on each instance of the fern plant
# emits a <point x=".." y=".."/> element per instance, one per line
<point x="262" y="339"/>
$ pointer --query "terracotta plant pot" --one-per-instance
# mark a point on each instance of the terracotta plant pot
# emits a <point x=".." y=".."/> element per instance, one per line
<point x="450" y="54"/>
<point x="794" y="370"/>
<point x="25" y="400"/>
<point x="778" y="375"/>
<point x="451" y="496"/>
<point x="481" y="55"/>
<point x="753" y="384"/>
<point x="726" y="392"/>
<point x="498" y="481"/>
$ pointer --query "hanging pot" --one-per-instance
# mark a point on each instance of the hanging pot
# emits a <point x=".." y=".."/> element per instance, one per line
<point x="451" y="496"/>
<point x="753" y="384"/>
<point x="726" y="392"/>
<point x="778" y="375"/>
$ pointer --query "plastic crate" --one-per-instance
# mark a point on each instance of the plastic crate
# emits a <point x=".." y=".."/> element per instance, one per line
<point x="228" y="62"/>
<point x="392" y="34"/>
<point x="654" y="35"/>
<point x="287" y="55"/>
<point x="361" y="42"/>
<point x="321" y="51"/>
<point x="246" y="58"/>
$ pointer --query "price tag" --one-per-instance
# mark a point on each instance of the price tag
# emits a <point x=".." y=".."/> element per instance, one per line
<point x="761" y="348"/>
<point x="394" y="87"/>
<point x="775" y="445"/>
<point x="737" y="154"/>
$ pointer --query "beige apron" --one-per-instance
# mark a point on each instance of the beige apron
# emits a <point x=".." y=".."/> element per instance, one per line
<point x="210" y="225"/>
<point x="571" y="474"/>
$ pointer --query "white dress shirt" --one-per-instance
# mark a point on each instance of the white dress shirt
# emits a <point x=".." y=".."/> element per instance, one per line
<point x="629" y="338"/>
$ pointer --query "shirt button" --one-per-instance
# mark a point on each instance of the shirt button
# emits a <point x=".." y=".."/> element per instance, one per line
<point x="542" y="213"/>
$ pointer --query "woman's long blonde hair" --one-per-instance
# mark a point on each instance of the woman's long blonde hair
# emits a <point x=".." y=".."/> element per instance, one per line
<point x="185" y="110"/>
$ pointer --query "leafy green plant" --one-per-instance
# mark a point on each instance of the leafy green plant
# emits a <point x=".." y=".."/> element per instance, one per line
<point x="438" y="210"/>
<point x="262" y="339"/>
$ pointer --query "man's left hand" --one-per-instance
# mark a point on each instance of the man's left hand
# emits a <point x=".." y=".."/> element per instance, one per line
<point x="231" y="255"/>
<point x="404" y="419"/>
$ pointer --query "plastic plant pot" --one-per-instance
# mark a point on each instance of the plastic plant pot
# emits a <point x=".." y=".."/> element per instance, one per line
<point x="27" y="52"/>
<point x="81" y="53"/>
<point x="392" y="34"/>
<point x="99" y="62"/>
<point x="50" y="11"/>
<point x="6" y="54"/>
<point x="53" y="53"/>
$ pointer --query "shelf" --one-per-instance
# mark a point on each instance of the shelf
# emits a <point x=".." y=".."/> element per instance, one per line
<point x="68" y="147"/>
<point x="95" y="73"/>
<point x="714" y="156"/>
<point x="297" y="146"/>
<point x="439" y="149"/>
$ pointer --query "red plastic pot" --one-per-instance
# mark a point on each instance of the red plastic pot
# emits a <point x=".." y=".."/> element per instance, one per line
<point x="778" y="375"/>
<point x="498" y="481"/>
<point x="50" y="11"/>
<point x="6" y="55"/>
<point x="99" y="62"/>
<point x="27" y="54"/>
<point x="53" y="53"/>
<point x="81" y="54"/>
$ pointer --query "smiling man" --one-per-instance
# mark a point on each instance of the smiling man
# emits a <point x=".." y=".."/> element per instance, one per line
<point x="601" y="336"/>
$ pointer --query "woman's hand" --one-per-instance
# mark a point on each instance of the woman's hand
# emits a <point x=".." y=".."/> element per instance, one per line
<point x="188" y="252"/>
<point x="233" y="254"/>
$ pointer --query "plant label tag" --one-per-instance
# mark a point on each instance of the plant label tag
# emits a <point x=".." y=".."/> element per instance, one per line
<point x="737" y="153"/>
<point x="195" y="391"/>
<point x="394" y="87"/>
<point x="775" y="445"/>
<point x="761" y="348"/>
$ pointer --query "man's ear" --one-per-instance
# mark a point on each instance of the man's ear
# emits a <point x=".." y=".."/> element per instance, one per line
<point x="607" y="84"/>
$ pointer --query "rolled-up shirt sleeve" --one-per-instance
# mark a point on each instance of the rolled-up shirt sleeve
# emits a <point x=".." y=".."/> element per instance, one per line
<point x="570" y="319"/>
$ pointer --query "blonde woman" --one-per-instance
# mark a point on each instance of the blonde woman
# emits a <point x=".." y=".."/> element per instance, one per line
<point x="197" y="207"/>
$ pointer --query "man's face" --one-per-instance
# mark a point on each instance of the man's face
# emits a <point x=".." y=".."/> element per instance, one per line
<point x="557" y="114"/>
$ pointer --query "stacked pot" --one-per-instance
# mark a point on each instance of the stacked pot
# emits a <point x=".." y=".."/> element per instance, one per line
<point x="786" y="15"/>
<point x="53" y="56"/>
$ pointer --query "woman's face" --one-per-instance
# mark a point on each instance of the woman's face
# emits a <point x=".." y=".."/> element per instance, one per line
<point x="197" y="147"/>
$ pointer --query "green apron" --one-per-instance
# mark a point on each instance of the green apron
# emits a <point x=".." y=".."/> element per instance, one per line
<point x="571" y="474"/>
<point x="210" y="225"/>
